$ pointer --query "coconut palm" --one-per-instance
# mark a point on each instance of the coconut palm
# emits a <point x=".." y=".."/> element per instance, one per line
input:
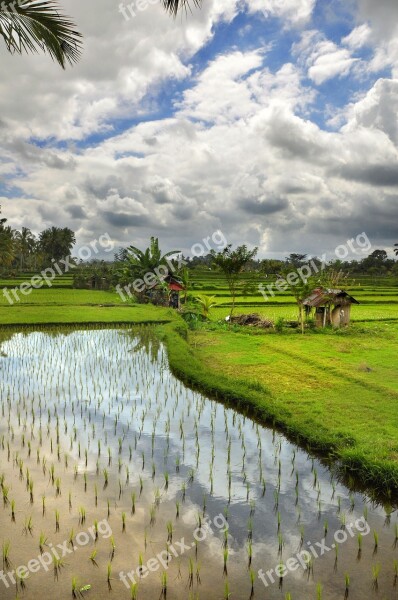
<point x="7" y="245"/>
<point x="37" y="25"/>
<point x="25" y="243"/>
<point x="206" y="303"/>
<point x="173" y="6"/>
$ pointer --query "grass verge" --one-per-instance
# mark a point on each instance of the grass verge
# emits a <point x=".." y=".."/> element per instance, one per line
<point x="352" y="424"/>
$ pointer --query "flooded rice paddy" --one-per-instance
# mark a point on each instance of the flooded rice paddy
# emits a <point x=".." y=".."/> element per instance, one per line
<point x="118" y="481"/>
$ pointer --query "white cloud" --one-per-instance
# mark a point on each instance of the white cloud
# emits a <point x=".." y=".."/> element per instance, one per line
<point x="238" y="152"/>
<point x="359" y="37"/>
<point x="293" y="12"/>
<point x="322" y="58"/>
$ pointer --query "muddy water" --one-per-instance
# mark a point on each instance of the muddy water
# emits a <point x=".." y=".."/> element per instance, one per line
<point x="196" y="494"/>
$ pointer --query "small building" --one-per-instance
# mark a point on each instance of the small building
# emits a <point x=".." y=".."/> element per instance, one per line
<point x="167" y="294"/>
<point x="332" y="307"/>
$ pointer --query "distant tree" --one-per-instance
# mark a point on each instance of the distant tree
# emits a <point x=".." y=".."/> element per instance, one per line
<point x="56" y="243"/>
<point x="184" y="275"/>
<point x="331" y="278"/>
<point x="137" y="262"/>
<point x="7" y="244"/>
<point x="232" y="263"/>
<point x="296" y="260"/>
<point x="396" y="249"/>
<point x="299" y="287"/>
<point x="25" y="244"/>
<point x="271" y="266"/>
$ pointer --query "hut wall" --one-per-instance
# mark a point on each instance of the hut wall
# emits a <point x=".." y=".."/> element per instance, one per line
<point x="341" y="315"/>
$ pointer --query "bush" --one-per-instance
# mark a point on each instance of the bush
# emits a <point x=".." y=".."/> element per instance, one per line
<point x="279" y="324"/>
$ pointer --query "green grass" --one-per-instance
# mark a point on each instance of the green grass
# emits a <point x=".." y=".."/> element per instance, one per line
<point x="337" y="391"/>
<point x="316" y="387"/>
<point x="38" y="315"/>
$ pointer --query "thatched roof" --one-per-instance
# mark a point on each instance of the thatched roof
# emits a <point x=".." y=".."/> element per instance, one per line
<point x="323" y="297"/>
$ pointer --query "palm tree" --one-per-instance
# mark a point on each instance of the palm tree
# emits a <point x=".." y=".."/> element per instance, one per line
<point x="206" y="303"/>
<point x="34" y="25"/>
<point x="173" y="6"/>
<point x="7" y="245"/>
<point x="25" y="242"/>
<point x="138" y="263"/>
<point x="57" y="243"/>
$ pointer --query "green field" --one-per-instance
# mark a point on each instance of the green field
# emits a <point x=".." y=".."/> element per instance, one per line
<point x="337" y="391"/>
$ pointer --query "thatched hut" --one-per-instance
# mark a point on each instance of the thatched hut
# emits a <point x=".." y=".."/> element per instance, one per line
<point x="332" y="307"/>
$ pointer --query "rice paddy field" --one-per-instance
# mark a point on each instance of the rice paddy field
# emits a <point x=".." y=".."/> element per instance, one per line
<point x="119" y="481"/>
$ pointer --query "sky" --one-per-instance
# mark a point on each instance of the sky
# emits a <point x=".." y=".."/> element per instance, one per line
<point x="273" y="121"/>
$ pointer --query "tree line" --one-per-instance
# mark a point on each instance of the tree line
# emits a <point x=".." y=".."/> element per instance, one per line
<point x="23" y="251"/>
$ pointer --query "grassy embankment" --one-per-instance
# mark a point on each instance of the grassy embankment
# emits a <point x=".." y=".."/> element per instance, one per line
<point x="336" y="392"/>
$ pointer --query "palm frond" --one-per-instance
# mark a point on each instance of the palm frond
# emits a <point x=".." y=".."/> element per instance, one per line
<point x="174" y="6"/>
<point x="35" y="25"/>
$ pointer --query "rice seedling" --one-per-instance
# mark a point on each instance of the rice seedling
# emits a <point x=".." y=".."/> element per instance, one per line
<point x="140" y="563"/>
<point x="396" y="535"/>
<point x="13" y="510"/>
<point x="71" y="537"/>
<point x="280" y="543"/>
<point x="28" y="527"/>
<point x="225" y="557"/>
<point x="376" y="541"/>
<point x="123" y="521"/>
<point x="319" y="591"/>
<point x="20" y="580"/>
<point x="164" y="579"/>
<point x="75" y="587"/>
<point x="58" y="563"/>
<point x="5" y="490"/>
<point x="190" y="572"/>
<point x="134" y="591"/>
<point x="6" y="553"/>
<point x="109" y="573"/>
<point x="177" y="509"/>
<point x="169" y="527"/>
<point x="42" y="542"/>
<point x="57" y="517"/>
<point x="82" y="515"/>
<point x="360" y="543"/>
<point x="347" y="584"/>
<point x="92" y="558"/>
<point x="113" y="546"/>
<point x="375" y="575"/>
<point x="395" y="567"/>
